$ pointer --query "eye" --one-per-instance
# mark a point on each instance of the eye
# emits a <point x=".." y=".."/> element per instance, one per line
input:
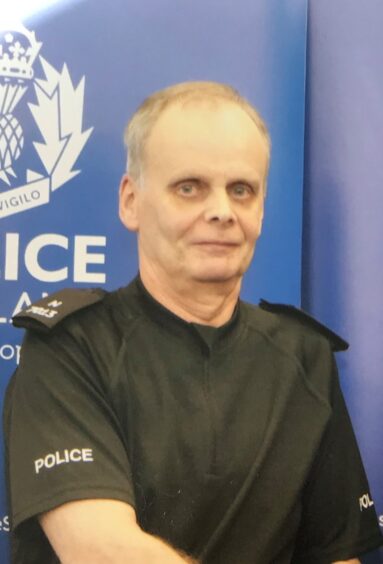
<point x="187" y="189"/>
<point x="241" y="190"/>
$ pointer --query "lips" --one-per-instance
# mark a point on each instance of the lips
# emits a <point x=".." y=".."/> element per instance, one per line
<point x="218" y="243"/>
<point x="216" y="246"/>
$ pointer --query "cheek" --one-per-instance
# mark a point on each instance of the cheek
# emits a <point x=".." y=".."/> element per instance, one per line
<point x="252" y="226"/>
<point x="150" y="216"/>
<point x="162" y="222"/>
<point x="178" y="222"/>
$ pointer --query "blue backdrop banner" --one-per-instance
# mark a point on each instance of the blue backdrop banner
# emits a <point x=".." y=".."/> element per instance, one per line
<point x="343" y="268"/>
<point x="69" y="79"/>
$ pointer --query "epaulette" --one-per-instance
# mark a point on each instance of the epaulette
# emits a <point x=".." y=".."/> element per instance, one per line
<point x="48" y="312"/>
<point x="337" y="343"/>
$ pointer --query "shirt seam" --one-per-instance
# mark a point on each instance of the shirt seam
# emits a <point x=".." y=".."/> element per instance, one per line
<point x="294" y="359"/>
<point x="86" y="490"/>
<point x="143" y="316"/>
<point x="350" y="550"/>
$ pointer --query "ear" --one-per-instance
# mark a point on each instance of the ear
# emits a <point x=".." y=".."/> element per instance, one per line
<point x="128" y="202"/>
<point x="262" y="206"/>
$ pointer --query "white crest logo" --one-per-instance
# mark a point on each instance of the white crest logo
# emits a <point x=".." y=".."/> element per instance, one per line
<point x="57" y="113"/>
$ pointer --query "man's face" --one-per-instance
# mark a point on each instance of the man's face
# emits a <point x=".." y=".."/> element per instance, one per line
<point x="199" y="207"/>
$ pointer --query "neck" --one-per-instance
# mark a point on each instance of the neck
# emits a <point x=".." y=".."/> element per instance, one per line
<point x="208" y="303"/>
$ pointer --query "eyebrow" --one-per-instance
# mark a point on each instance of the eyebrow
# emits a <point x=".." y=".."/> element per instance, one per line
<point x="192" y="177"/>
<point x="252" y="181"/>
<point x="188" y="178"/>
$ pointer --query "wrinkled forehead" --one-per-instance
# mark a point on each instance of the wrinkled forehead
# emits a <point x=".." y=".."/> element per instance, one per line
<point x="197" y="118"/>
<point x="198" y="104"/>
<point x="202" y="136"/>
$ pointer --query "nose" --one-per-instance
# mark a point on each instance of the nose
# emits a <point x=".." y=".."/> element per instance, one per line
<point x="219" y="207"/>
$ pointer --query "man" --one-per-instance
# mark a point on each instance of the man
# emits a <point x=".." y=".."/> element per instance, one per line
<point x="169" y="422"/>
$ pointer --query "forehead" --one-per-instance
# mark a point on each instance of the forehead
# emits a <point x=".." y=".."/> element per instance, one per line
<point x="205" y="133"/>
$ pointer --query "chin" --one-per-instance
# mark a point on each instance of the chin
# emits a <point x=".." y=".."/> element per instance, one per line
<point x="218" y="271"/>
<point x="216" y="276"/>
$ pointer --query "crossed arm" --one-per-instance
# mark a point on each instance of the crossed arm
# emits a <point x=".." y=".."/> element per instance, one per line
<point x="106" y="531"/>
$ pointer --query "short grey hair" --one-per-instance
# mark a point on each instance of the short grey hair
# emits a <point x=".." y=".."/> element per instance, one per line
<point x="140" y="125"/>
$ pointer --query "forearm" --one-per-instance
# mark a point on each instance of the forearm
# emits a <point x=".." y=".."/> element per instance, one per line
<point x="353" y="561"/>
<point x="139" y="548"/>
<point x="104" y="532"/>
<point x="149" y="549"/>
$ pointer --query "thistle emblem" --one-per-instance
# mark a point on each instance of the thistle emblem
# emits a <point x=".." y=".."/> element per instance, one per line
<point x="57" y="112"/>
<point x="18" y="50"/>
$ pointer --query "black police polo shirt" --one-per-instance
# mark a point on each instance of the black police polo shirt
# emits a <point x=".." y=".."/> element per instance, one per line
<point x="232" y="444"/>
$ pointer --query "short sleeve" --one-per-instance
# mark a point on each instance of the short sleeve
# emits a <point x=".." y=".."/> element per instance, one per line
<point x="63" y="440"/>
<point x="339" y="521"/>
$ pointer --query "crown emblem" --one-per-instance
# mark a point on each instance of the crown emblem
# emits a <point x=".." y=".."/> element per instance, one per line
<point x="18" y="51"/>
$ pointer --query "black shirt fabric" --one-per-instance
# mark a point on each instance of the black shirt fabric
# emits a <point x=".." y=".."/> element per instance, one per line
<point x="232" y="444"/>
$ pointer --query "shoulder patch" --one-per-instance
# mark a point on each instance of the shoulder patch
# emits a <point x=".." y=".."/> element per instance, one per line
<point x="337" y="343"/>
<point x="48" y="312"/>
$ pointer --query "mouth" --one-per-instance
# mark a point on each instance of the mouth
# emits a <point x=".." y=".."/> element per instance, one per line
<point x="214" y="243"/>
<point x="216" y="247"/>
